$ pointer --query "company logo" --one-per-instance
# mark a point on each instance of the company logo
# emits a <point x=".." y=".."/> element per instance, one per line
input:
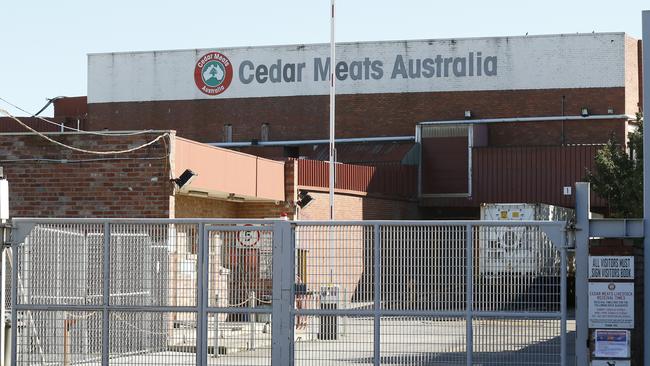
<point x="611" y="287"/>
<point x="213" y="73"/>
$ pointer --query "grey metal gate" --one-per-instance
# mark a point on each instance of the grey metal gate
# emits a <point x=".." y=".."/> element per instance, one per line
<point x="262" y="292"/>
<point x="431" y="293"/>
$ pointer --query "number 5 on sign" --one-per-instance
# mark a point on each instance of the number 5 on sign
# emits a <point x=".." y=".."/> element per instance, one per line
<point x="248" y="238"/>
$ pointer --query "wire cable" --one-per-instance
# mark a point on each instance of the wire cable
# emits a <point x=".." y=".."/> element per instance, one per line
<point x="2" y="111"/>
<point x="72" y="128"/>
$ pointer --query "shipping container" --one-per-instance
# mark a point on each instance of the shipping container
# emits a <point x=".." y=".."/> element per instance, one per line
<point x="518" y="250"/>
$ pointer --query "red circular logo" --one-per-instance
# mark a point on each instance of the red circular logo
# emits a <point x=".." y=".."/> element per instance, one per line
<point x="213" y="73"/>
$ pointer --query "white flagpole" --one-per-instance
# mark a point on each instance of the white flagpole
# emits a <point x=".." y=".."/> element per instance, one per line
<point x="332" y="110"/>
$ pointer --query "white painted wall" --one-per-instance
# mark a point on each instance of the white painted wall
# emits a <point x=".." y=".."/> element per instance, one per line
<point x="535" y="62"/>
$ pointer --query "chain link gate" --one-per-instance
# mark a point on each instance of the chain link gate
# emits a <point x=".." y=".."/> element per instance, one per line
<point x="262" y="292"/>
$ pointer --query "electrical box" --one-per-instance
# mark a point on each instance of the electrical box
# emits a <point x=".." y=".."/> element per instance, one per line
<point x="329" y="298"/>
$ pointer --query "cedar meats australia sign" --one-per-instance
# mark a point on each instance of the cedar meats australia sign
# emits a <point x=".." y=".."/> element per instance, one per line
<point x="444" y="65"/>
<point x="213" y="73"/>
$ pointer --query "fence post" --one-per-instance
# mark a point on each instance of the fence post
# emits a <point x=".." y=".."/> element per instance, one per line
<point x="251" y="319"/>
<point x="14" y="302"/>
<point x="563" y="302"/>
<point x="582" y="267"/>
<point x="376" y="245"/>
<point x="645" y="20"/>
<point x="202" y="296"/>
<point x="106" y="290"/>
<point x="469" y="286"/>
<point x="283" y="314"/>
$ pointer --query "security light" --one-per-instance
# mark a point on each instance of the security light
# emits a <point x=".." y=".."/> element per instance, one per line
<point x="185" y="178"/>
<point x="468" y="114"/>
<point x="304" y="199"/>
<point x="584" y="111"/>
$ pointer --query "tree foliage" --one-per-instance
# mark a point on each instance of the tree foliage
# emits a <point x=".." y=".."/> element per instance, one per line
<point x="618" y="175"/>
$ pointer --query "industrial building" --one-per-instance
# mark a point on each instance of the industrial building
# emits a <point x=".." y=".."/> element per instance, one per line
<point x="430" y="128"/>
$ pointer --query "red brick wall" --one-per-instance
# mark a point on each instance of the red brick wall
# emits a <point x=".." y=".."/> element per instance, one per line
<point x="46" y="180"/>
<point x="555" y="132"/>
<point x="360" y="115"/>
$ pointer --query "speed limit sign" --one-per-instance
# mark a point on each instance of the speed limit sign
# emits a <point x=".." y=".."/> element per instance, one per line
<point x="248" y="238"/>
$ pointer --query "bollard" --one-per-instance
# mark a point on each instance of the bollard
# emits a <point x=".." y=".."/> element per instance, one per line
<point x="215" y="340"/>
<point x="251" y="319"/>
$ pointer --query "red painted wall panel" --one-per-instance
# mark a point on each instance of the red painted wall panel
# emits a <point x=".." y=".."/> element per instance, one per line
<point x="532" y="174"/>
<point x="389" y="180"/>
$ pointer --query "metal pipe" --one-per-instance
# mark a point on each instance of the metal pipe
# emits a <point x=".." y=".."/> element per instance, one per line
<point x="45" y="220"/>
<point x="529" y="119"/>
<point x="314" y="142"/>
<point x="646" y="185"/>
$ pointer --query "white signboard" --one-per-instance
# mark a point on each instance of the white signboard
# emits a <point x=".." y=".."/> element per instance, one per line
<point x="498" y="63"/>
<point x="611" y="267"/>
<point x="610" y="363"/>
<point x="611" y="305"/>
<point x="248" y="238"/>
<point x="612" y="343"/>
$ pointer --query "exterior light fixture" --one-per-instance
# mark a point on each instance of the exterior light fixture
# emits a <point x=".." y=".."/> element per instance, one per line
<point x="185" y="178"/>
<point x="468" y="114"/>
<point x="610" y="110"/>
<point x="304" y="199"/>
<point x="584" y="111"/>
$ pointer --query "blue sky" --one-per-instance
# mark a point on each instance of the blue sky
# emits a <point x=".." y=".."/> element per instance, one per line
<point x="44" y="43"/>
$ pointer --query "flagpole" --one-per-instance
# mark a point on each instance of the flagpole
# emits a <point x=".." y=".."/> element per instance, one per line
<point x="332" y="111"/>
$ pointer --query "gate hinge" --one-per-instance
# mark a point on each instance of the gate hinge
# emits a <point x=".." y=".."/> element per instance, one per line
<point x="571" y="226"/>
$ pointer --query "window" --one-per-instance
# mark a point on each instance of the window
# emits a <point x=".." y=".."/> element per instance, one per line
<point x="227" y="133"/>
<point x="265" y="132"/>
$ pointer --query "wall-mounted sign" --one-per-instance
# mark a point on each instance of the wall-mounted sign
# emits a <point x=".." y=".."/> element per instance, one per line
<point x="248" y="238"/>
<point x="611" y="267"/>
<point x="612" y="343"/>
<point x="433" y="65"/>
<point x="611" y="305"/>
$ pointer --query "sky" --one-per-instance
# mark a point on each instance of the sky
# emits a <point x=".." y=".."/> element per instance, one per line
<point x="44" y="44"/>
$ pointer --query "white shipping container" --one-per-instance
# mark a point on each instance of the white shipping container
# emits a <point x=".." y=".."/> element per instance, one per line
<point x="520" y="250"/>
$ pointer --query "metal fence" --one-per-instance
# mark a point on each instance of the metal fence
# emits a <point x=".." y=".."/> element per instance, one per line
<point x="232" y="292"/>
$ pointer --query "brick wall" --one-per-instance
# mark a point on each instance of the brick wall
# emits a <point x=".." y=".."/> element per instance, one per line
<point x="357" y="207"/>
<point x="47" y="180"/>
<point x="195" y="207"/>
<point x="361" y="115"/>
<point x="555" y="132"/>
